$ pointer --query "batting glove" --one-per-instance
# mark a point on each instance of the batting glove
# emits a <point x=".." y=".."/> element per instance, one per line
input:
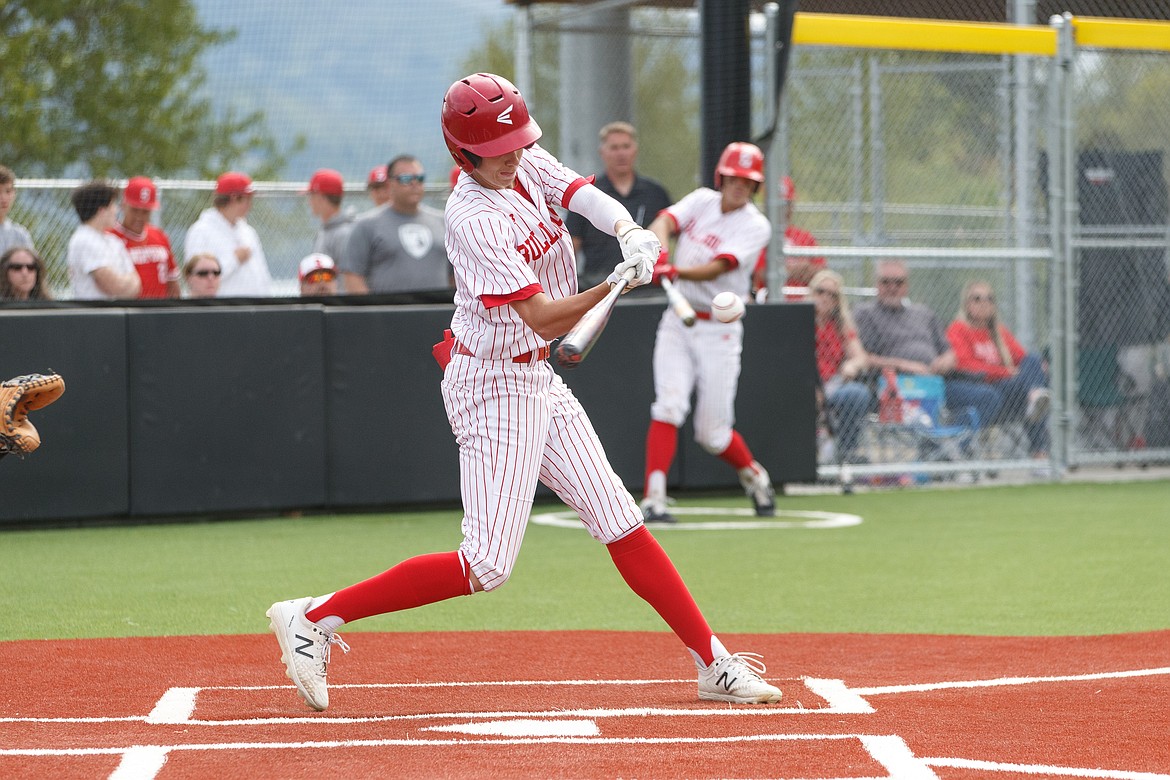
<point x="639" y="268"/>
<point x="663" y="269"/>
<point x="638" y="241"/>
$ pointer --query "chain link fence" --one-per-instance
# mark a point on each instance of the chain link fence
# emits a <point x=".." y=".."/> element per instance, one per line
<point x="280" y="214"/>
<point x="1042" y="175"/>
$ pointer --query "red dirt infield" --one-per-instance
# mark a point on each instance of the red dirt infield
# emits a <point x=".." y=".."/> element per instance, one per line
<point x="590" y="704"/>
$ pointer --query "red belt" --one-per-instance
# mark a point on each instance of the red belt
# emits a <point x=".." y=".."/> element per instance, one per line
<point x="703" y="315"/>
<point x="540" y="354"/>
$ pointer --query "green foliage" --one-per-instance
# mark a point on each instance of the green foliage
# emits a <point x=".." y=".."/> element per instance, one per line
<point x="665" y="96"/>
<point x="1040" y="560"/>
<point x="115" y="88"/>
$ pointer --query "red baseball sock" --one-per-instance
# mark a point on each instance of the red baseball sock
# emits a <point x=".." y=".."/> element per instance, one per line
<point x="737" y="452"/>
<point x="647" y="569"/>
<point x="661" y="445"/>
<point x="416" y="581"/>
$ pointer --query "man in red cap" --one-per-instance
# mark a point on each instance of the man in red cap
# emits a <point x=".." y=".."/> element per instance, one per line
<point x="378" y="185"/>
<point x="148" y="245"/>
<point x="223" y="231"/>
<point x="325" y="191"/>
<point x="800" y="269"/>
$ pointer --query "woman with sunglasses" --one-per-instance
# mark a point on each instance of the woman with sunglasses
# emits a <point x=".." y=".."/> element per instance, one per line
<point x="840" y="360"/>
<point x="202" y="273"/>
<point x="987" y="350"/>
<point x="22" y="276"/>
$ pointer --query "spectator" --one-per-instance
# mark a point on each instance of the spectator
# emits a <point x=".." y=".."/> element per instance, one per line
<point x="202" y="273"/>
<point x="22" y="275"/>
<point x="223" y="230"/>
<point x="148" y="246"/>
<point x="378" y="186"/>
<point x="317" y="275"/>
<point x="799" y="269"/>
<point x="99" y="265"/>
<point x="986" y="350"/>
<point x="641" y="196"/>
<point x="841" y="359"/>
<point x="398" y="248"/>
<point x="325" y="191"/>
<point x="907" y="338"/>
<point x="11" y="233"/>
<point x="723" y="232"/>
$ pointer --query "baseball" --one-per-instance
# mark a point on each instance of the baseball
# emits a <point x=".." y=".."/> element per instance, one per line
<point x="727" y="307"/>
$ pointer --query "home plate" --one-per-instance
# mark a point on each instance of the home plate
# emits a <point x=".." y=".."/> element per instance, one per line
<point x="524" y="728"/>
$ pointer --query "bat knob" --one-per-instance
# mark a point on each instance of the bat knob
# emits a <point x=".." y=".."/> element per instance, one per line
<point x="688" y="321"/>
<point x="568" y="357"/>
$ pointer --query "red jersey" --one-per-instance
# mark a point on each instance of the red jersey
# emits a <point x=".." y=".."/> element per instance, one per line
<point x="830" y="349"/>
<point x="976" y="353"/>
<point x="793" y="236"/>
<point x="153" y="258"/>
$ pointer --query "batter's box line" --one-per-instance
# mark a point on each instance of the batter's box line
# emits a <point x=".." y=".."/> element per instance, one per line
<point x="177" y="705"/>
<point x="144" y="762"/>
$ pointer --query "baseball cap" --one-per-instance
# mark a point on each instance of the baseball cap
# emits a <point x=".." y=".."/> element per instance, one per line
<point x="233" y="183"/>
<point x="141" y="192"/>
<point x="316" y="262"/>
<point x="378" y="176"/>
<point x="787" y="189"/>
<point x="326" y="181"/>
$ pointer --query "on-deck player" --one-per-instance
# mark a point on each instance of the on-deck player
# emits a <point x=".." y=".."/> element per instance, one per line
<point x="515" y="421"/>
<point x="720" y="234"/>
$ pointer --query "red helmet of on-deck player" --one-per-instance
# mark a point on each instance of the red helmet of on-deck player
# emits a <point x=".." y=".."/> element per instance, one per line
<point x="485" y="114"/>
<point x="740" y="159"/>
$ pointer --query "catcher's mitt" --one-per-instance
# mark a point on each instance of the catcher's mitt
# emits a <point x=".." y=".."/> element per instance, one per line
<point x="18" y="397"/>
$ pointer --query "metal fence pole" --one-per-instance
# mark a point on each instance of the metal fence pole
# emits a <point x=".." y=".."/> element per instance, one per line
<point x="1061" y="176"/>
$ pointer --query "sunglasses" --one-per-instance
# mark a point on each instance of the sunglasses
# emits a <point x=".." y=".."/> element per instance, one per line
<point x="409" y="178"/>
<point x="21" y="267"/>
<point x="824" y="291"/>
<point x="981" y="298"/>
<point x="206" y="272"/>
<point x="320" y="275"/>
<point x="893" y="280"/>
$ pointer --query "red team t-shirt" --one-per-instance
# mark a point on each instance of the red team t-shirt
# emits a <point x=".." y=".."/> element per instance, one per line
<point x="830" y="349"/>
<point x="153" y="258"/>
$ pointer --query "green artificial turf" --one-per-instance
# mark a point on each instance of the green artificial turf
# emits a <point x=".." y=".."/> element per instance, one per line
<point x="1035" y="560"/>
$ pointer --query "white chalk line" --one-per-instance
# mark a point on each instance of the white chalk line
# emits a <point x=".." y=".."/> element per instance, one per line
<point x="810" y="519"/>
<point x="143" y="762"/>
<point x="1005" y="681"/>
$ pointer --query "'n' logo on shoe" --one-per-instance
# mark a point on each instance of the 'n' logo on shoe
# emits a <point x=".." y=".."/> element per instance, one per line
<point x="726" y="681"/>
<point x="300" y="649"/>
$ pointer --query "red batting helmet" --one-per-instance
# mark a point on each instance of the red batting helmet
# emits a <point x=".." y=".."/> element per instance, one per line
<point x="740" y="159"/>
<point x="485" y="114"/>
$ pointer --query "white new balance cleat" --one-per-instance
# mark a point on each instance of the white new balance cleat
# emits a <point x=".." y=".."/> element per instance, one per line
<point x="758" y="485"/>
<point x="304" y="649"/>
<point x="736" y="678"/>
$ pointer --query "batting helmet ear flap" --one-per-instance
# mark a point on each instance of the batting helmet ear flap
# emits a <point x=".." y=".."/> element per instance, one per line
<point x="485" y="114"/>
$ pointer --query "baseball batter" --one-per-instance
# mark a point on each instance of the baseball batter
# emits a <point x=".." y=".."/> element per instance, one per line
<point x="720" y="233"/>
<point x="514" y="419"/>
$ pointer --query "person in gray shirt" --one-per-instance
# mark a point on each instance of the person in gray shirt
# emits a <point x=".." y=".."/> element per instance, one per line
<point x="397" y="247"/>
<point x="908" y="338"/>
<point x="12" y="234"/>
<point x="325" y="191"/>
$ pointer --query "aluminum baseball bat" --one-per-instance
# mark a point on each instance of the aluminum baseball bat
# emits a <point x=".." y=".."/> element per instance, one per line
<point x="677" y="302"/>
<point x="575" y="346"/>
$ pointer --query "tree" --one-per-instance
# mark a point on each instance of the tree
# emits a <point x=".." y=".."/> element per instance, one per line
<point x="97" y="89"/>
<point x="666" y="96"/>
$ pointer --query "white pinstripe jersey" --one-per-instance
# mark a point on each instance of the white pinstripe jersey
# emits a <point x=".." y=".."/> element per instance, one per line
<point x="706" y="233"/>
<point x="501" y="242"/>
